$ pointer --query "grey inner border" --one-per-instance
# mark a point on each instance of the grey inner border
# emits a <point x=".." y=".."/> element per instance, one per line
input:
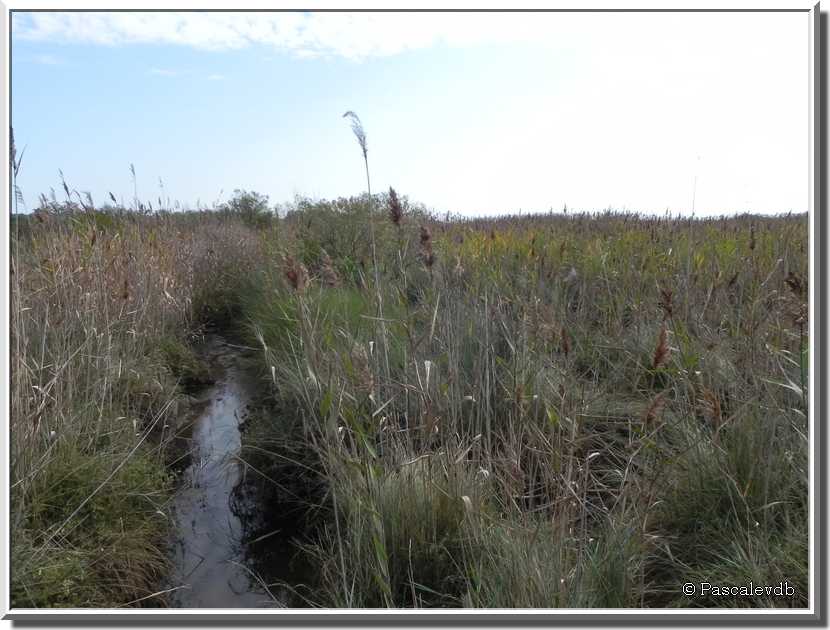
<point x="485" y="619"/>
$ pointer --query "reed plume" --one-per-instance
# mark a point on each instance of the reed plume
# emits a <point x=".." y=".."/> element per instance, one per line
<point x="395" y="209"/>
<point x="364" y="379"/>
<point x="360" y="134"/>
<point x="296" y="274"/>
<point x="653" y="411"/>
<point x="795" y="284"/>
<point x="665" y="303"/>
<point x="427" y="254"/>
<point x="711" y="406"/>
<point x="566" y="342"/>
<point x="661" y="351"/>
<point x="327" y="270"/>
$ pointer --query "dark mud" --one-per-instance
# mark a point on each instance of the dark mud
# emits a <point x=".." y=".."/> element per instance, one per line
<point x="279" y="504"/>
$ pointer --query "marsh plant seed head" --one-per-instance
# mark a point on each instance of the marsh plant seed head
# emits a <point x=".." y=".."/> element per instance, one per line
<point x="459" y="268"/>
<point x="296" y="274"/>
<point x="327" y="270"/>
<point x="661" y="351"/>
<point x="364" y="380"/>
<point x="427" y="254"/>
<point x="395" y="208"/>
<point x="653" y="411"/>
<point x="357" y="129"/>
<point x="795" y="284"/>
<point x="426" y="237"/>
<point x="665" y="303"/>
<point x="710" y="403"/>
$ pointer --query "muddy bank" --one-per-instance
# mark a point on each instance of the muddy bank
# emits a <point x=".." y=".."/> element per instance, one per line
<point x="279" y="502"/>
<point x="209" y="554"/>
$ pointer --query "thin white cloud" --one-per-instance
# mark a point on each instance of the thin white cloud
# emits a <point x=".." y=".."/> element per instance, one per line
<point x="48" y="60"/>
<point x="350" y="35"/>
<point x="163" y="72"/>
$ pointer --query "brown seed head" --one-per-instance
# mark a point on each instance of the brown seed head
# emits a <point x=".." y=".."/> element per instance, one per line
<point x="427" y="254"/>
<point x="795" y="284"/>
<point x="395" y="209"/>
<point x="328" y="271"/>
<point x="364" y="380"/>
<point x="566" y="341"/>
<point x="296" y="274"/>
<point x="653" y="411"/>
<point x="710" y="403"/>
<point x="426" y="237"/>
<point x="665" y="303"/>
<point x="661" y="351"/>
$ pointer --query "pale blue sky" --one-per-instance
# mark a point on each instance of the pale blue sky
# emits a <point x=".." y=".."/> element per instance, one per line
<point x="473" y="114"/>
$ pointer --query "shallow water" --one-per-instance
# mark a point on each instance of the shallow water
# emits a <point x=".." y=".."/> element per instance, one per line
<point x="209" y="556"/>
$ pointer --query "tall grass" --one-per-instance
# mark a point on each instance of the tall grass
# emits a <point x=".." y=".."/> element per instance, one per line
<point x="103" y="304"/>
<point x="554" y="411"/>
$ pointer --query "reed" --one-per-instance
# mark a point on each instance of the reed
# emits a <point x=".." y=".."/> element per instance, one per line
<point x="472" y="434"/>
<point x="482" y="469"/>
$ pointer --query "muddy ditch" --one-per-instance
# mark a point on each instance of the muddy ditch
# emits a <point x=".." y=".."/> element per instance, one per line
<point x="237" y="524"/>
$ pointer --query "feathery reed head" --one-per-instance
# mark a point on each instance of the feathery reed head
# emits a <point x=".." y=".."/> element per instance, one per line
<point x="566" y="341"/>
<point x="357" y="129"/>
<point x="328" y="271"/>
<point x="364" y="379"/>
<point x="427" y="254"/>
<point x="395" y="208"/>
<point x="796" y="285"/>
<point x="665" y="303"/>
<point x="653" y="411"/>
<point x="661" y="351"/>
<point x="710" y="403"/>
<point x="296" y="274"/>
<point x="459" y="268"/>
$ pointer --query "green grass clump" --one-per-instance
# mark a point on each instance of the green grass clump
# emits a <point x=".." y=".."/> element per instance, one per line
<point x="190" y="371"/>
<point x="95" y="532"/>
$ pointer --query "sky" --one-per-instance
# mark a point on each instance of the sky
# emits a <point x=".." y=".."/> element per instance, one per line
<point x="473" y="114"/>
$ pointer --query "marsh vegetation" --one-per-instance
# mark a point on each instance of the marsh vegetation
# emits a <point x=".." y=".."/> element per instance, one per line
<point x="553" y="410"/>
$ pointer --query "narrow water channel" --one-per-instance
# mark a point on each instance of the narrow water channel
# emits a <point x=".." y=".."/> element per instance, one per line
<point x="209" y="557"/>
